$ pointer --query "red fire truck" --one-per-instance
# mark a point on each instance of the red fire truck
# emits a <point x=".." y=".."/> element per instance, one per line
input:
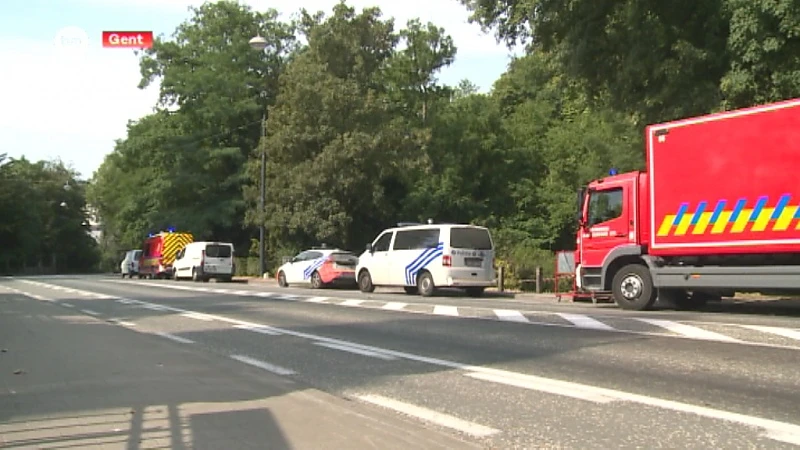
<point x="158" y="253"/>
<point x="715" y="212"/>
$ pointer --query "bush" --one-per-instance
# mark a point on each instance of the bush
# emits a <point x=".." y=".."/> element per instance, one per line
<point x="519" y="264"/>
<point x="246" y="266"/>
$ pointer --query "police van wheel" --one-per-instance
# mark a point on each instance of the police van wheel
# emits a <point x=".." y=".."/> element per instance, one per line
<point x="425" y="284"/>
<point x="365" y="282"/>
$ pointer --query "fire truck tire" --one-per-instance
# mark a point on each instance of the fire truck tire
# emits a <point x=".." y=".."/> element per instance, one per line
<point x="633" y="289"/>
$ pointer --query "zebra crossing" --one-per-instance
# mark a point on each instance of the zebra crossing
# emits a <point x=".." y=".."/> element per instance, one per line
<point x="731" y="333"/>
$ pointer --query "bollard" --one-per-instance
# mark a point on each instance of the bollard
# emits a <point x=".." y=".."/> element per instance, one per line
<point x="501" y="278"/>
<point x="538" y="279"/>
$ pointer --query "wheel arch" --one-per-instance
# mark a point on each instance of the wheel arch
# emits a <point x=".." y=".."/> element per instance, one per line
<point x="619" y="258"/>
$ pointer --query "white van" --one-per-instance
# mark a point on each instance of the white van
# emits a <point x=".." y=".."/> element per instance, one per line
<point x="130" y="264"/>
<point x="421" y="258"/>
<point x="202" y="261"/>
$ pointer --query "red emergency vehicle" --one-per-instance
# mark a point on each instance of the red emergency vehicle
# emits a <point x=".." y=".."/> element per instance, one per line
<point x="715" y="212"/>
<point x="158" y="253"/>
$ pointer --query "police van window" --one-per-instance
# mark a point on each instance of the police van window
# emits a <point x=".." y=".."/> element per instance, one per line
<point x="416" y="239"/>
<point x="604" y="206"/>
<point x="218" y="251"/>
<point x="382" y="244"/>
<point x="470" y="238"/>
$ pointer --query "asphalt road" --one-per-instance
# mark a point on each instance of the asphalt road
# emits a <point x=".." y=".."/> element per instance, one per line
<point x="496" y="373"/>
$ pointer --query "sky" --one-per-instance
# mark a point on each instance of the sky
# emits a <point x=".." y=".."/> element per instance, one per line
<point x="73" y="102"/>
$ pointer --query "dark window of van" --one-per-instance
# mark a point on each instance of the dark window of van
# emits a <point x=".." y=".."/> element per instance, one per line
<point x="470" y="238"/>
<point x="416" y="239"/>
<point x="382" y="244"/>
<point x="218" y="251"/>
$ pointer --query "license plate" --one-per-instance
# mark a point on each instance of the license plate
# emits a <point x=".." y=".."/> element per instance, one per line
<point x="473" y="262"/>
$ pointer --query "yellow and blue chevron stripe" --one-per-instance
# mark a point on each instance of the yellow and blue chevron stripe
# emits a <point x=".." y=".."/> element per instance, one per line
<point x="740" y="219"/>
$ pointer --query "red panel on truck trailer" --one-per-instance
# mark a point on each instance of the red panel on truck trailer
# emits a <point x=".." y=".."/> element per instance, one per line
<point x="726" y="183"/>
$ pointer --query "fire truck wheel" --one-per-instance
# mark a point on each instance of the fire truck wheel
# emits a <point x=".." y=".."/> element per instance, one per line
<point x="633" y="288"/>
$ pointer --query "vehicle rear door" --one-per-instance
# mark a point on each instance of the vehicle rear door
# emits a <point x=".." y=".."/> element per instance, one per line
<point x="471" y="254"/>
<point x="218" y="259"/>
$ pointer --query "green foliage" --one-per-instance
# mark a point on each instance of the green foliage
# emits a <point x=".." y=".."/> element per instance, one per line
<point x="45" y="225"/>
<point x="360" y="133"/>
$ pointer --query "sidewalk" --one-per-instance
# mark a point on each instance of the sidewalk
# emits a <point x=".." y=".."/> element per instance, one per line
<point x="68" y="380"/>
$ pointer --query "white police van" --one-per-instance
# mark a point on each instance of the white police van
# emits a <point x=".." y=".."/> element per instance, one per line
<point x="421" y="258"/>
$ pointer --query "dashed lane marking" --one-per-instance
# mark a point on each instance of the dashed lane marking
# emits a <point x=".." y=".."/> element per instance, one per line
<point x="772" y="429"/>
<point x="626" y="325"/>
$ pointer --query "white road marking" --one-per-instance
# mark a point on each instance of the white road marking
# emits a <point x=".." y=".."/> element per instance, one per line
<point x="534" y="383"/>
<point x="429" y="415"/>
<point x="90" y="312"/>
<point x="198" y="316"/>
<point x="785" y="332"/>
<point x="258" y="329"/>
<point x="356" y="350"/>
<point x="394" y="306"/>
<point x="123" y="323"/>
<point x="264" y="294"/>
<point x="182" y="340"/>
<point x="153" y="307"/>
<point x="689" y="331"/>
<point x="583" y="321"/>
<point x="263" y="365"/>
<point x="773" y="429"/>
<point x="510" y="315"/>
<point x="445" y="310"/>
<point x="317" y="299"/>
<point x="242" y="292"/>
<point x="68" y="305"/>
<point x="351" y="302"/>
<point x="694" y="334"/>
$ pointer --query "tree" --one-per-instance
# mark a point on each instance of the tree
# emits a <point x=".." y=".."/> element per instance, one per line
<point x="413" y="69"/>
<point x="764" y="47"/>
<point x="657" y="60"/>
<point x="184" y="166"/>
<point x="341" y="153"/>
<point x="45" y="226"/>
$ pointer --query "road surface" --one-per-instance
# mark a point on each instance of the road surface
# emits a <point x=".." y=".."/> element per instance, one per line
<point x="451" y="372"/>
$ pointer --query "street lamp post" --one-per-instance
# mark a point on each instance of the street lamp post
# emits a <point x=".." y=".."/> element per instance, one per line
<point x="258" y="43"/>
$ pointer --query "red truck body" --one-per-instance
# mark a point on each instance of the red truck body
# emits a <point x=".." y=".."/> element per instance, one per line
<point x="716" y="210"/>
